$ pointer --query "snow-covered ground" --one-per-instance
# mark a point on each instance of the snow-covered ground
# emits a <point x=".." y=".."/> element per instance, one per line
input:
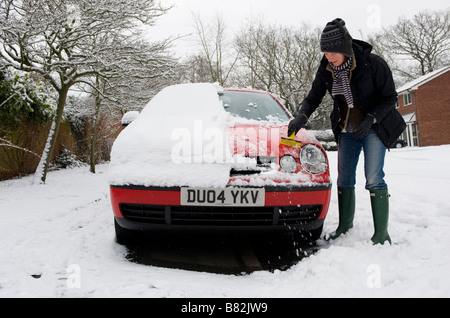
<point x="57" y="240"/>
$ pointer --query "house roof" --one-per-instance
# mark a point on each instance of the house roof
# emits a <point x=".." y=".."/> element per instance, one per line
<point x="414" y="85"/>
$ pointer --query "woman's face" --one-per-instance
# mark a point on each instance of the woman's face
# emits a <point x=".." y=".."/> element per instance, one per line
<point x="336" y="58"/>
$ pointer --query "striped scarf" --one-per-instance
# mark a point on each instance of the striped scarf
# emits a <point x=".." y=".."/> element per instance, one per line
<point x="341" y="84"/>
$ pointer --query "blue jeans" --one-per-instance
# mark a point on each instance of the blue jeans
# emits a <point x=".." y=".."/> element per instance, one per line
<point x="348" y="155"/>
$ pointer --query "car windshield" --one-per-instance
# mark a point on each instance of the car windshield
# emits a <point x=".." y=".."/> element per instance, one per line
<point x="252" y="105"/>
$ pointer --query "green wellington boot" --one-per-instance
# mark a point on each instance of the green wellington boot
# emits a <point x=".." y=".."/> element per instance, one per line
<point x="379" y="200"/>
<point x="346" y="204"/>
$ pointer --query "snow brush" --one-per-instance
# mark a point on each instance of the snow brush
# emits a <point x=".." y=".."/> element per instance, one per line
<point x="290" y="141"/>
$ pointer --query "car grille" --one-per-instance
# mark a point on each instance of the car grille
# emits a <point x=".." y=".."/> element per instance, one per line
<point x="220" y="216"/>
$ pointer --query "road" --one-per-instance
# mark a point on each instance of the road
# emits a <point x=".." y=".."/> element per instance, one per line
<point x="220" y="253"/>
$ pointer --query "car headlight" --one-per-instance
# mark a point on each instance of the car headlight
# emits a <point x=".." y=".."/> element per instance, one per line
<point x="288" y="164"/>
<point x="313" y="159"/>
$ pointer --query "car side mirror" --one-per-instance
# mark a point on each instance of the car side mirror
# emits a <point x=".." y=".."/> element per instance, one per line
<point x="128" y="118"/>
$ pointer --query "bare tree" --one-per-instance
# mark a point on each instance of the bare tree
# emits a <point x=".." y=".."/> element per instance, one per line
<point x="281" y="60"/>
<point x="57" y="39"/>
<point x="216" y="50"/>
<point x="194" y="69"/>
<point x="424" y="39"/>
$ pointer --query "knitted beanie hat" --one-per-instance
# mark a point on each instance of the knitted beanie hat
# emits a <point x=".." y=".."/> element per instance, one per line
<point x="335" y="38"/>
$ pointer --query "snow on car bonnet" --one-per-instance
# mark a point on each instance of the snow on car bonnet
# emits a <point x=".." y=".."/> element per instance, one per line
<point x="179" y="139"/>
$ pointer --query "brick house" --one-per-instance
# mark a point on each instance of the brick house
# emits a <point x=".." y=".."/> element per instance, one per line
<point x="425" y="105"/>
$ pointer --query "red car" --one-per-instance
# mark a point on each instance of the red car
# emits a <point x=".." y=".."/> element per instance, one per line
<point x="270" y="186"/>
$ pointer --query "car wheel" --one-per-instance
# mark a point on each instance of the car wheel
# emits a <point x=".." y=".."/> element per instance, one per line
<point x="398" y="145"/>
<point x="124" y="236"/>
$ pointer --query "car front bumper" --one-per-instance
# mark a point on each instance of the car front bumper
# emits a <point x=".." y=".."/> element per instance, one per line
<point x="294" y="207"/>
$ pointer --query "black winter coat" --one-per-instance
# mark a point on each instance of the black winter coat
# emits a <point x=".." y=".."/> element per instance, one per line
<point x="373" y="93"/>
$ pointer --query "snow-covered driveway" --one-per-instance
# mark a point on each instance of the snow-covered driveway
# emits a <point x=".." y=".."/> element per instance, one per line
<point x="58" y="241"/>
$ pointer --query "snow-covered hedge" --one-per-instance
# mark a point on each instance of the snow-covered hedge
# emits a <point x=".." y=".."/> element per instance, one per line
<point x="326" y="139"/>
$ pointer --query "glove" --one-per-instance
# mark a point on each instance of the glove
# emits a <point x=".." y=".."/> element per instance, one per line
<point x="296" y="124"/>
<point x="363" y="127"/>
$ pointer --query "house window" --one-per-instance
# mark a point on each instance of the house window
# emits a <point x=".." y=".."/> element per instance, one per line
<point x="407" y="99"/>
<point x="415" y="135"/>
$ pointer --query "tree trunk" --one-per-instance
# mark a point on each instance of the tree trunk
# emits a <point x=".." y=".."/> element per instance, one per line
<point x="94" y="132"/>
<point x="41" y="171"/>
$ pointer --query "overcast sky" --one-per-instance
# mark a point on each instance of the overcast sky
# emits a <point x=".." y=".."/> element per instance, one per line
<point x="362" y="17"/>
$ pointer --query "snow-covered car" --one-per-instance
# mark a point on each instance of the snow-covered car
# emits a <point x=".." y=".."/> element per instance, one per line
<point x="399" y="143"/>
<point x="200" y="157"/>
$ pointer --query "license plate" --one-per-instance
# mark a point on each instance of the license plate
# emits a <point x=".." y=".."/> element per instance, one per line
<point x="224" y="197"/>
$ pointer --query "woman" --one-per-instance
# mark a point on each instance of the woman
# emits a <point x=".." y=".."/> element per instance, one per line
<point x="363" y="118"/>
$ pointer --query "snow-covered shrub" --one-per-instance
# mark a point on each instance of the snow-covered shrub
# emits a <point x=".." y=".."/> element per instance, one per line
<point x="67" y="159"/>
<point x="22" y="99"/>
<point x="326" y="139"/>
